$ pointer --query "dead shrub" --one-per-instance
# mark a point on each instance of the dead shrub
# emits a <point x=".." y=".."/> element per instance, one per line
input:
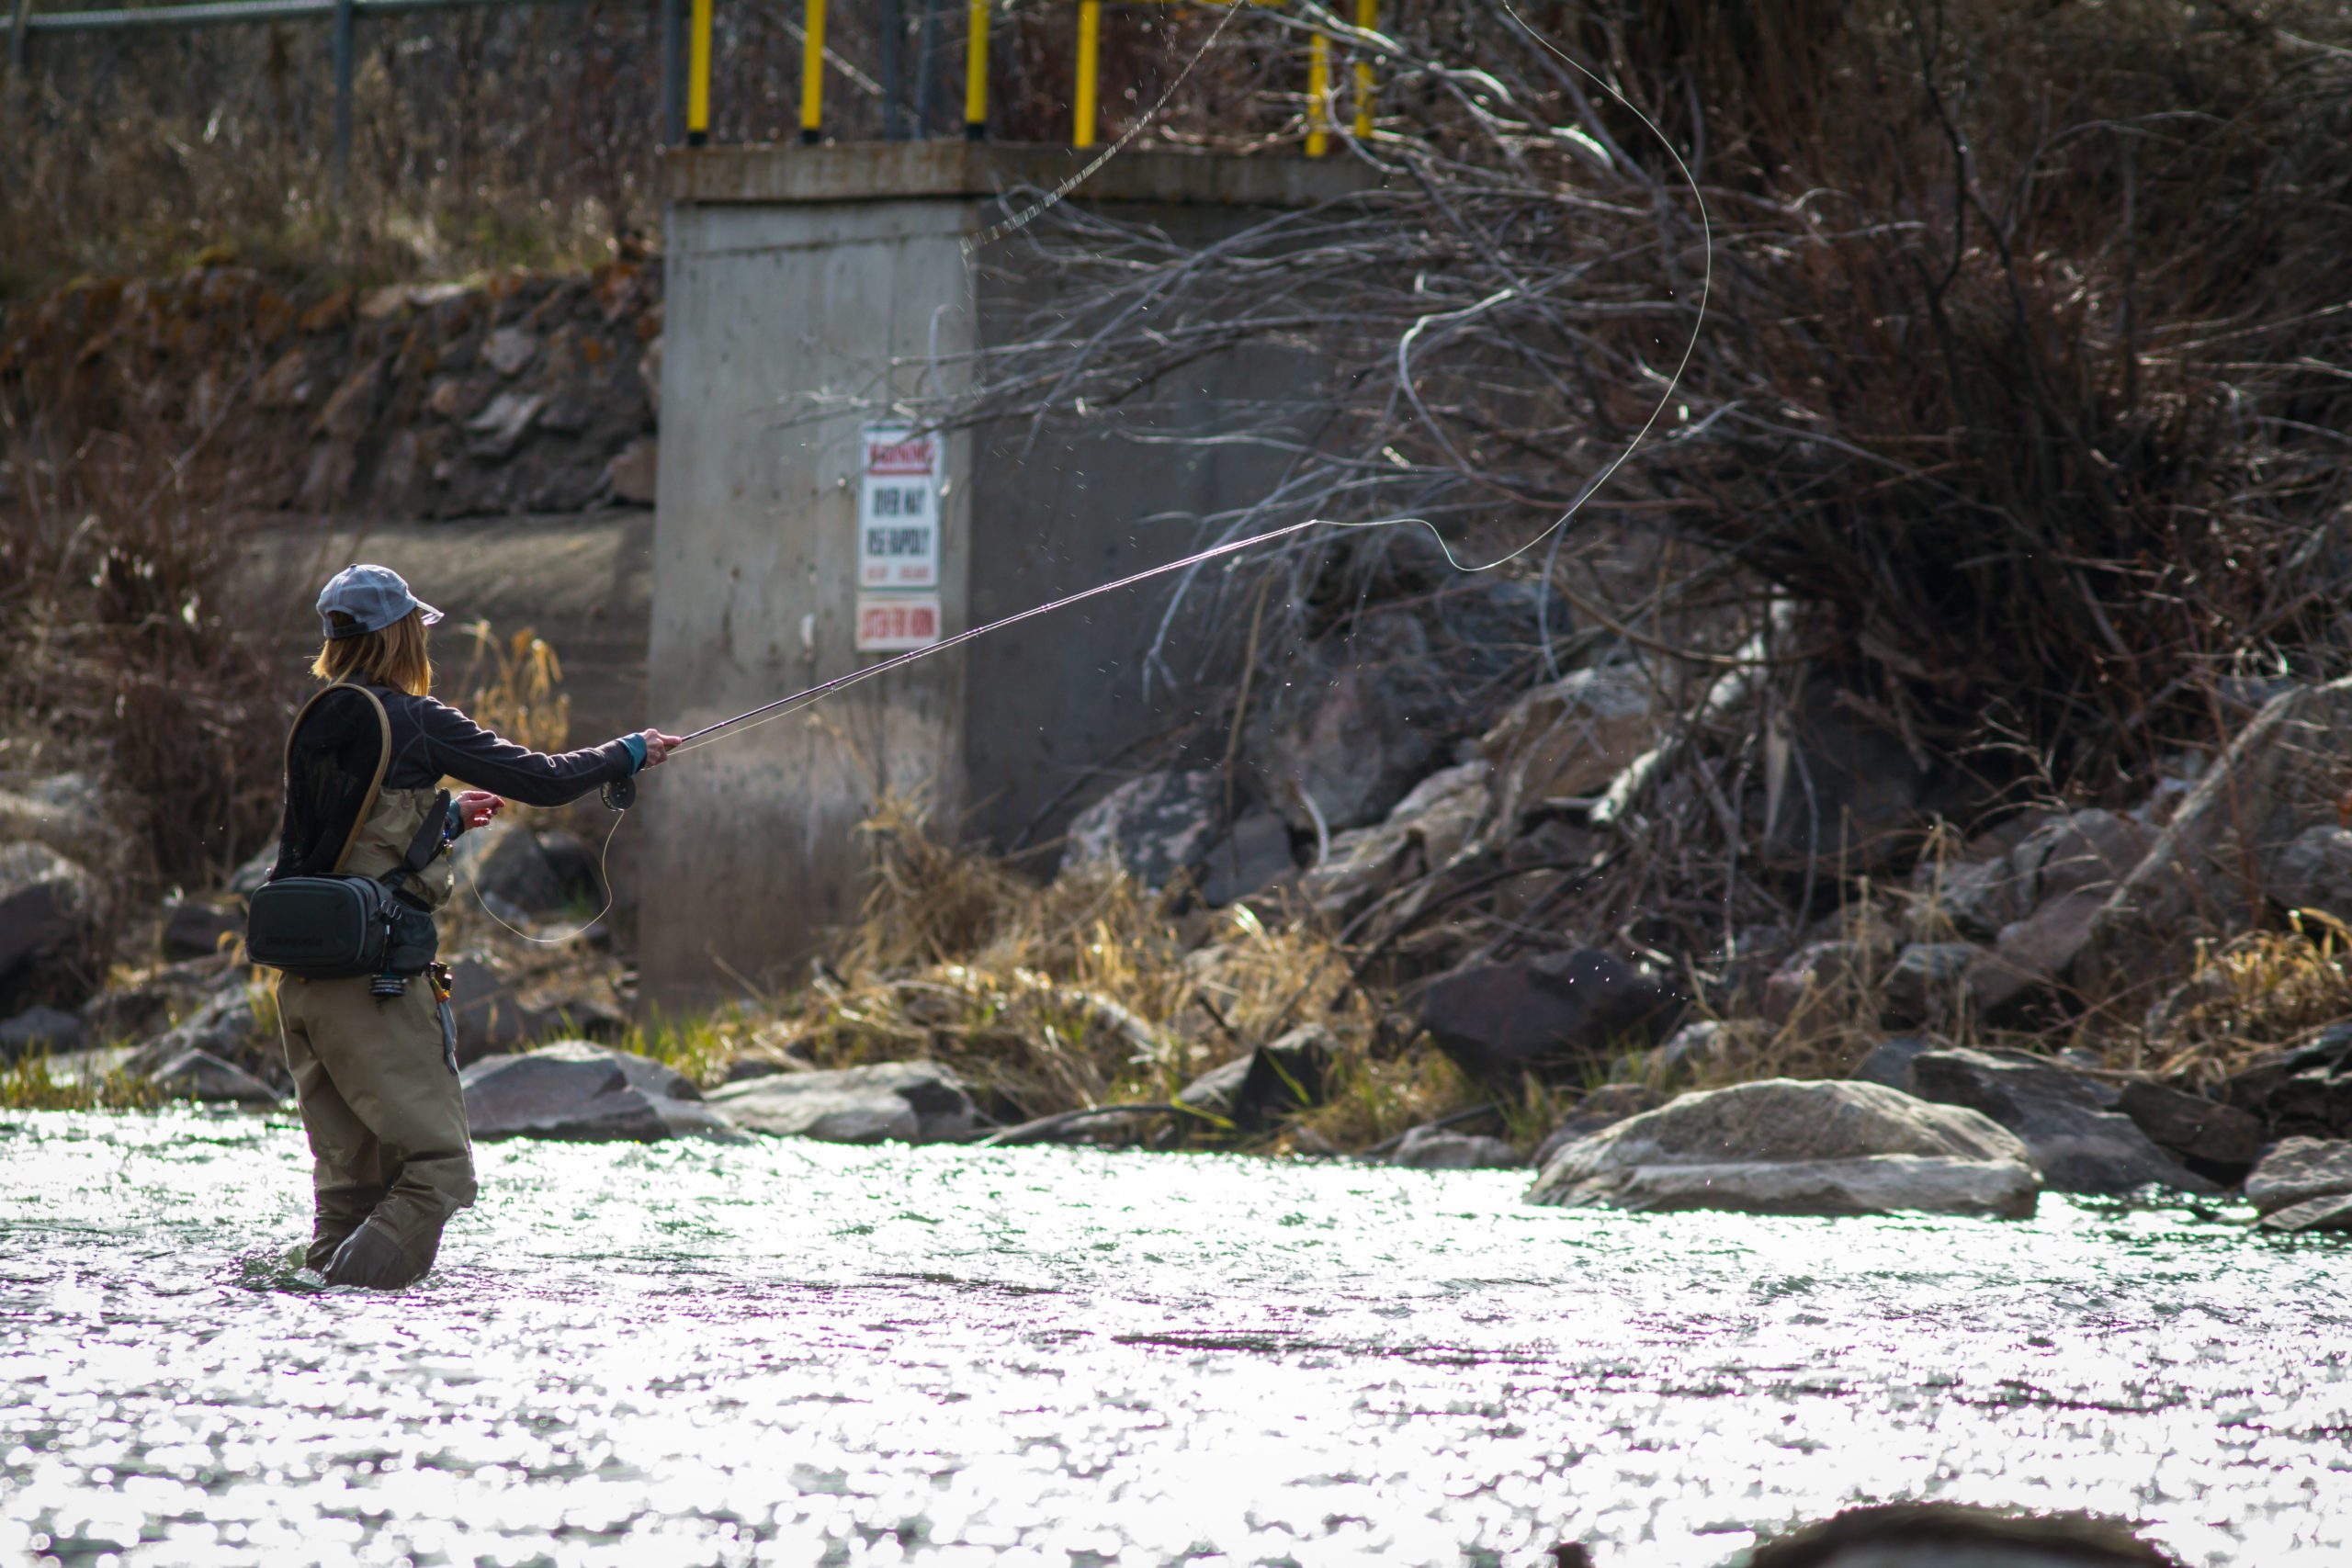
<point x="128" y="651"/>
<point x="1085" y="991"/>
<point x="2245" y="997"/>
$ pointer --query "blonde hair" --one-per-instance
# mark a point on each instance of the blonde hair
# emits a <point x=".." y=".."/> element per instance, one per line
<point x="394" y="657"/>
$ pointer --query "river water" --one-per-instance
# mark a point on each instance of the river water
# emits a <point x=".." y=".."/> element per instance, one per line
<point x="797" y="1353"/>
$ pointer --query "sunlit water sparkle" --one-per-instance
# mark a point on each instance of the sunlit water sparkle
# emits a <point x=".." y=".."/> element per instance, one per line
<point x="795" y="1353"/>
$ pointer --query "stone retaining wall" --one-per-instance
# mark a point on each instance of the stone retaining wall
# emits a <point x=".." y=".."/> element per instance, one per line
<point x="530" y="392"/>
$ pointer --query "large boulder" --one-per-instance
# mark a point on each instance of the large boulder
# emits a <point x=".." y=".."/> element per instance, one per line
<point x="2031" y="898"/>
<point x="1350" y="732"/>
<point x="224" y="1027"/>
<point x="45" y="900"/>
<point x="2092" y="849"/>
<point x="1851" y="793"/>
<point x="1436" y="1148"/>
<point x="1568" y="739"/>
<point x="2302" y="1093"/>
<point x="1253" y="1092"/>
<point x="1550" y="1014"/>
<point x="1782" y="1146"/>
<point x="506" y="863"/>
<point x="501" y="1005"/>
<point x="195" y="928"/>
<point x="2304" y="1184"/>
<point x="2199" y="1132"/>
<point x="2077" y="1141"/>
<point x="1246" y="861"/>
<point x="1155" y="827"/>
<point x="577" y="1090"/>
<point x="68" y="812"/>
<point x="1436" y="822"/>
<point x="2312" y="871"/>
<point x="2032" y="963"/>
<point x="1966" y="901"/>
<point x="1379" y="695"/>
<point x="2278" y="778"/>
<point x="902" y="1103"/>
<point x="200" y="1075"/>
<point x="138" y="1007"/>
<point x="1957" y="1535"/>
<point x="42" y="1031"/>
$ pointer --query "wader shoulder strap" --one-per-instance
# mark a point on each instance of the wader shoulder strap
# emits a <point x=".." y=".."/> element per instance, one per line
<point x="430" y="840"/>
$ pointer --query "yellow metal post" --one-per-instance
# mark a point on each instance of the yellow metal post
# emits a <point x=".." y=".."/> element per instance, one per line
<point x="1089" y="70"/>
<point x="1368" y="19"/>
<point x="698" y="75"/>
<point x="976" y="73"/>
<point x="812" y="70"/>
<point x="1318" y="95"/>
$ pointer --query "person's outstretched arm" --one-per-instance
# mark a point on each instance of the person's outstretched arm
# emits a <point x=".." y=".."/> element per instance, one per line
<point x="456" y="747"/>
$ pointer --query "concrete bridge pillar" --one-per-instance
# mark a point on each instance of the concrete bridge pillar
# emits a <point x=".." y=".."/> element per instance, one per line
<point x="807" y="287"/>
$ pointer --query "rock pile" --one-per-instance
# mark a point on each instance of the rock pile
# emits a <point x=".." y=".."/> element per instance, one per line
<point x="533" y="393"/>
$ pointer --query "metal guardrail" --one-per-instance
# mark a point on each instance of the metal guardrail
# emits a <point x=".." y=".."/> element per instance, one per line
<point x="687" y="60"/>
<point x="685" y="114"/>
<point x="220" y="11"/>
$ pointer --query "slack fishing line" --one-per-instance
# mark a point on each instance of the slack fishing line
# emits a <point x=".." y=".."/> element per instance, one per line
<point x="783" y="708"/>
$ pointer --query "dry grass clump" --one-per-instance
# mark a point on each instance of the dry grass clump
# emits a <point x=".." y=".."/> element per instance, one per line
<point x="517" y="687"/>
<point x="1746" y="1049"/>
<point x="2247" y="996"/>
<point x="1375" y="1096"/>
<point x="27" y="1084"/>
<point x="1090" y="990"/>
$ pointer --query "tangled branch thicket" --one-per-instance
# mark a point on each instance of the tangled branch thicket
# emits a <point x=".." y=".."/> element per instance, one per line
<point x="2020" y="389"/>
<point x="126" y="648"/>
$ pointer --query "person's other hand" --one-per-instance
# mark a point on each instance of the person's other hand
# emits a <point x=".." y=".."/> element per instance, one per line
<point x="477" y="808"/>
<point x="657" y="746"/>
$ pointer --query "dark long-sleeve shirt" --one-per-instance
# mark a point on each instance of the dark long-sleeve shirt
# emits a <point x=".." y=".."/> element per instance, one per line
<point x="432" y="740"/>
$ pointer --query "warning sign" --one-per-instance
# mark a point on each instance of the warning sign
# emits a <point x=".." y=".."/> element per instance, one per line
<point x="897" y="510"/>
<point x="896" y="623"/>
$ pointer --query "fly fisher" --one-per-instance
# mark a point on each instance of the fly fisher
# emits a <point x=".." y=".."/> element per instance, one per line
<point x="347" y="917"/>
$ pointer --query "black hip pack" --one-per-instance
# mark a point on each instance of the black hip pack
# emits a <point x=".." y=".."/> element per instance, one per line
<point x="339" y="928"/>
<point x="309" y="919"/>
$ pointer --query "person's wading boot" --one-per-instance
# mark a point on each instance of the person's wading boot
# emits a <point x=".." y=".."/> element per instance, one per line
<point x="371" y="1259"/>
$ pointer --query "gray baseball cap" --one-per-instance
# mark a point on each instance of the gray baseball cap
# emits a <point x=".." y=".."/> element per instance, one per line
<point x="373" y="596"/>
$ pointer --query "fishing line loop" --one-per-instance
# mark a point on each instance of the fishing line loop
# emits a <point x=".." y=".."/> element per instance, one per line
<point x="604" y="875"/>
